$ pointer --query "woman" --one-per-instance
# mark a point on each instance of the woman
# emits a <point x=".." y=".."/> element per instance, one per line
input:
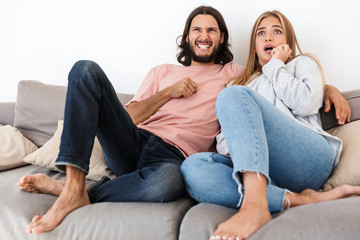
<point x="276" y="153"/>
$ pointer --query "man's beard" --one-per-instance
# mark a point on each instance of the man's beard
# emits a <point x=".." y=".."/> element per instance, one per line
<point x="204" y="59"/>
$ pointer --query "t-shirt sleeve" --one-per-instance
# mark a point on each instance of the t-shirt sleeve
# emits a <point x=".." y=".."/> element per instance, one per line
<point x="238" y="70"/>
<point x="148" y="87"/>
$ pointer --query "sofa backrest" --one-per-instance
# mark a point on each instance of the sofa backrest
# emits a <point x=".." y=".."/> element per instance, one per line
<point x="39" y="106"/>
<point x="7" y="113"/>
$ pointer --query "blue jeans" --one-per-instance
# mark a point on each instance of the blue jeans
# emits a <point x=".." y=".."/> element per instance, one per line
<point x="147" y="168"/>
<point x="260" y="139"/>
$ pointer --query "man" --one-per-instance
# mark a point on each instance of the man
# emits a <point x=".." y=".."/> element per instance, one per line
<point x="171" y="117"/>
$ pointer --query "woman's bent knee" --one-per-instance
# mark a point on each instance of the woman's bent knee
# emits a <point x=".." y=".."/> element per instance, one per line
<point x="231" y="93"/>
<point x="191" y="165"/>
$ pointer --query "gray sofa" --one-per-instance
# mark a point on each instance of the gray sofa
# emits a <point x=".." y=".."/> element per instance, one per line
<point x="35" y="113"/>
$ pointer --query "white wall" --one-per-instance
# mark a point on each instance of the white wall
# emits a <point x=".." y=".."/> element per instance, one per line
<point x="42" y="39"/>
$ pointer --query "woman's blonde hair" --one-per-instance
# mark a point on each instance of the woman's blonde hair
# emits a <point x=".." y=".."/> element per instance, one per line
<point x="253" y="67"/>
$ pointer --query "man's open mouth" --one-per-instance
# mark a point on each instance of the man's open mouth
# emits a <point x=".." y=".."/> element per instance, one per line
<point x="203" y="45"/>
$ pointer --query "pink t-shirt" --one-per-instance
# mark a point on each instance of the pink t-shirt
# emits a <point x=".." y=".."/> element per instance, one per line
<point x="189" y="123"/>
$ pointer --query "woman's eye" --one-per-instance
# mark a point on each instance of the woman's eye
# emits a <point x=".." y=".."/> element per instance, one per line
<point x="277" y="31"/>
<point x="261" y="33"/>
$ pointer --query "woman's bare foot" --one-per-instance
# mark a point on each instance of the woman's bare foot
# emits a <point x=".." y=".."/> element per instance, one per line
<point x="310" y="196"/>
<point x="254" y="212"/>
<point x="247" y="221"/>
<point x="73" y="196"/>
<point x="41" y="183"/>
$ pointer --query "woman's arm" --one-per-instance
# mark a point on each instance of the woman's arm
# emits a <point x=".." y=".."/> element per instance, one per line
<point x="298" y="84"/>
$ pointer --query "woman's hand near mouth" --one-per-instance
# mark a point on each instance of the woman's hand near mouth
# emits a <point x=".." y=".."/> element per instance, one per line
<point x="281" y="52"/>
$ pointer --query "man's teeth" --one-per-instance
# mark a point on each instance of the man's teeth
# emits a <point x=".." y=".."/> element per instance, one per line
<point x="203" y="46"/>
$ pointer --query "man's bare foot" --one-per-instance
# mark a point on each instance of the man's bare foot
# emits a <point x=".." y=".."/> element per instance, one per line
<point x="41" y="183"/>
<point x="73" y="196"/>
<point x="247" y="221"/>
<point x="310" y="196"/>
<point x="66" y="203"/>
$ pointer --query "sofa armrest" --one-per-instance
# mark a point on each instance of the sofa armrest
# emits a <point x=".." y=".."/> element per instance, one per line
<point x="7" y="113"/>
<point x="329" y="120"/>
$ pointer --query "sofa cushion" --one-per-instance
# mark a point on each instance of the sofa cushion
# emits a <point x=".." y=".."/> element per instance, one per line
<point x="47" y="154"/>
<point x="38" y="108"/>
<point x="7" y="113"/>
<point x="132" y="220"/>
<point x="348" y="169"/>
<point x="13" y="147"/>
<point x="338" y="219"/>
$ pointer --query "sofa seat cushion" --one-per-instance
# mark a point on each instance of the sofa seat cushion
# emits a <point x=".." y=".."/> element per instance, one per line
<point x="96" y="221"/>
<point x="338" y="219"/>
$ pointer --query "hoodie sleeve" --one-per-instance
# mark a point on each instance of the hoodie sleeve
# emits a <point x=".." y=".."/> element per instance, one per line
<point x="299" y="87"/>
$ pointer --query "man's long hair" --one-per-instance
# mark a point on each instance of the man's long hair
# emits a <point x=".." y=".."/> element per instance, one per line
<point x="224" y="56"/>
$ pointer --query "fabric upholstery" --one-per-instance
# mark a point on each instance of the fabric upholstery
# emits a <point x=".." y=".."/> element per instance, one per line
<point x="7" y="113"/>
<point x="38" y="108"/>
<point x="348" y="169"/>
<point x="47" y="154"/>
<point x="13" y="148"/>
<point x="93" y="222"/>
<point x="322" y="221"/>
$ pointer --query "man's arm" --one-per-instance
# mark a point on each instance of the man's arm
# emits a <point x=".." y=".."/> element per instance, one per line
<point x="341" y="105"/>
<point x="142" y="110"/>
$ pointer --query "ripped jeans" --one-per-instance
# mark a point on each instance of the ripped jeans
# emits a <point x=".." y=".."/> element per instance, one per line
<point x="260" y="139"/>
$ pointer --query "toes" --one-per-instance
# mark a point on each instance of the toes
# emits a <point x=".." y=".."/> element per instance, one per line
<point x="35" y="218"/>
<point x="223" y="236"/>
<point x="23" y="181"/>
<point x="39" y="229"/>
<point x="34" y="223"/>
<point x="215" y="237"/>
<point x="231" y="237"/>
<point x="38" y="225"/>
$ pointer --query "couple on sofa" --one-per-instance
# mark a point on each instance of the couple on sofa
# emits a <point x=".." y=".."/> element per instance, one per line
<point x="274" y="147"/>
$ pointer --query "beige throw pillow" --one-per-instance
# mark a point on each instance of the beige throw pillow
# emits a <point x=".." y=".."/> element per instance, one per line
<point x="47" y="154"/>
<point x="13" y="147"/>
<point x="348" y="169"/>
